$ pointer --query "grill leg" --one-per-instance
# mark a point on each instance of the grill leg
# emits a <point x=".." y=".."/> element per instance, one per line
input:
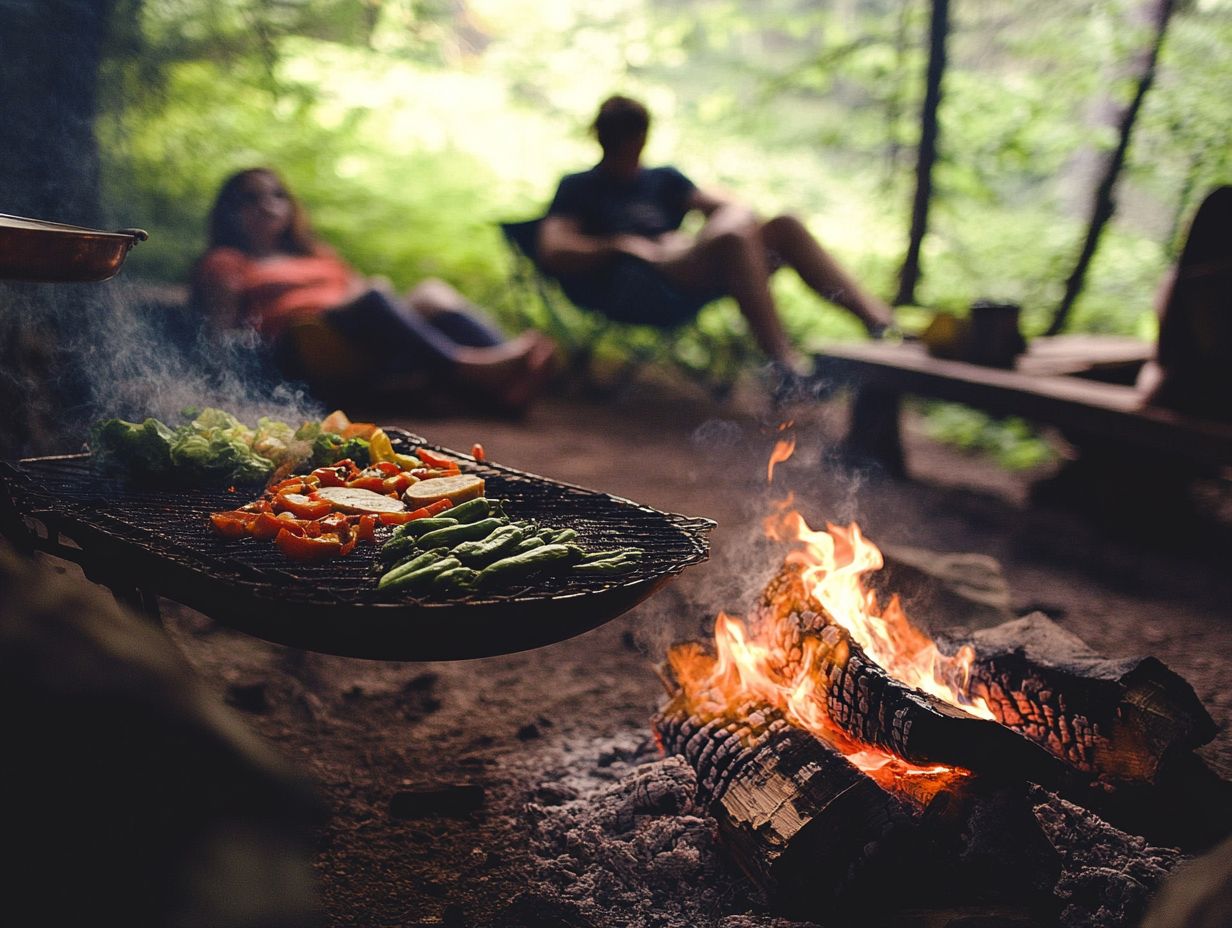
<point x="142" y="602"/>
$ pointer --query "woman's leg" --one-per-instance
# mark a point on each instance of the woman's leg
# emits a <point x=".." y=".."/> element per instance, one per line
<point x="398" y="338"/>
<point x="451" y="313"/>
<point x="401" y="341"/>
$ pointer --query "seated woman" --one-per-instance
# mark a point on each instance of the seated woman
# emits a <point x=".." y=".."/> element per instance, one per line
<point x="1192" y="370"/>
<point x="264" y="268"/>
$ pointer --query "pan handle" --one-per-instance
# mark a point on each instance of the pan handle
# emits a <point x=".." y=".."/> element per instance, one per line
<point x="138" y="235"/>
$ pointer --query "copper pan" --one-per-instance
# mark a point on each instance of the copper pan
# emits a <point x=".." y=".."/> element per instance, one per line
<point x="33" y="249"/>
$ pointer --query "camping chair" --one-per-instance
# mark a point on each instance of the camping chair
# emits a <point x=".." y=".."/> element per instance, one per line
<point x="711" y="359"/>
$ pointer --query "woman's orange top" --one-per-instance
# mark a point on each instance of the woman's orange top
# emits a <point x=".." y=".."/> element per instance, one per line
<point x="276" y="291"/>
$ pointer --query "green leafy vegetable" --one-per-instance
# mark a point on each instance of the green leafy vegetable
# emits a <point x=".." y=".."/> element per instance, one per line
<point x="216" y="447"/>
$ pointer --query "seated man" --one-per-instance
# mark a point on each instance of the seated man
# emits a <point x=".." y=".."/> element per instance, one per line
<point x="612" y="236"/>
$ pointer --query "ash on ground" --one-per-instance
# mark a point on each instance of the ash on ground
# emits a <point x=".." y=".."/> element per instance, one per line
<point x="620" y="841"/>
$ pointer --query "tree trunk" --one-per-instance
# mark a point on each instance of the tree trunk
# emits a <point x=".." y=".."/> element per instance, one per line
<point x="909" y="276"/>
<point x="51" y="52"/>
<point x="1158" y="13"/>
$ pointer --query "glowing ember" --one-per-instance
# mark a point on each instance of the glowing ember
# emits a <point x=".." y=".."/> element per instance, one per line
<point x="754" y="663"/>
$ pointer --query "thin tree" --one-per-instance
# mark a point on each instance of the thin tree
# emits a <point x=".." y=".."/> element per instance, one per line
<point x="1157" y="13"/>
<point x="938" y="31"/>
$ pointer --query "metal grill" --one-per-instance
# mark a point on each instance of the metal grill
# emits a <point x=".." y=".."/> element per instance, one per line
<point x="160" y="539"/>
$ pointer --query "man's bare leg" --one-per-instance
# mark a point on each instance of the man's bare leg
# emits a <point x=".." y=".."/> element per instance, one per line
<point x="789" y="238"/>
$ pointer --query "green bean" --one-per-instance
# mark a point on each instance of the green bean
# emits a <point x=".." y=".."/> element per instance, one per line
<point x="527" y="544"/>
<point x="417" y="527"/>
<point x="471" y="511"/>
<point x="523" y="565"/>
<point x="396" y="549"/>
<point x="494" y="547"/>
<point x="419" y="578"/>
<point x="614" y="565"/>
<point x="466" y="531"/>
<point x="564" y="536"/>
<point x="409" y="566"/>
<point x="457" y="578"/>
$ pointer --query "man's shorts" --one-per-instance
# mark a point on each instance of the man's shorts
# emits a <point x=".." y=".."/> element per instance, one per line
<point x="633" y="291"/>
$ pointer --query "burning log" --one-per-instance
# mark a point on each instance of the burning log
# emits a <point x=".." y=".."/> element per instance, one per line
<point x="862" y="700"/>
<point x="798" y="817"/>
<point x="1120" y="721"/>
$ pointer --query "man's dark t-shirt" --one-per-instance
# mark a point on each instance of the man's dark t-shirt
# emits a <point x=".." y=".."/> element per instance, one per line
<point x="653" y="202"/>
<point x="628" y="289"/>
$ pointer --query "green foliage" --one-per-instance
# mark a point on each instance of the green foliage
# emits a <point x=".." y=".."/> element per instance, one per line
<point x="1011" y="442"/>
<point x="410" y="127"/>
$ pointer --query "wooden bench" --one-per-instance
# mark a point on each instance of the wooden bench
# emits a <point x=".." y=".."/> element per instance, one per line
<point x="1060" y="381"/>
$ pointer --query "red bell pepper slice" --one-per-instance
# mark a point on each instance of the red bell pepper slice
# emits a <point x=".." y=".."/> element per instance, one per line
<point x="434" y="459"/>
<point x="397" y="484"/>
<point x="267" y="526"/>
<point x="365" y="528"/>
<point x="232" y="524"/>
<point x="374" y="483"/>
<point x="423" y="512"/>
<point x="301" y="506"/>
<point x="477" y="452"/>
<point x="308" y="549"/>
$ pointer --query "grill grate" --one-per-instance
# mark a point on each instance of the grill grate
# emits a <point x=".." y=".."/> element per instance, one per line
<point x="166" y="530"/>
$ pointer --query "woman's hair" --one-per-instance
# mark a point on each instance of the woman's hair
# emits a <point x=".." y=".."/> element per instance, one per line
<point x="620" y="119"/>
<point x="227" y="228"/>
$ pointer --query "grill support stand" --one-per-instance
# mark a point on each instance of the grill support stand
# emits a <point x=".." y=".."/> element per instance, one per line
<point x="30" y="534"/>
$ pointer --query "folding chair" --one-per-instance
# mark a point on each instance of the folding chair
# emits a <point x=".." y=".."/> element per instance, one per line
<point x="714" y="361"/>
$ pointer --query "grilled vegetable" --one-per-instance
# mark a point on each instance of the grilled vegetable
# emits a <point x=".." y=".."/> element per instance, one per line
<point x="472" y="510"/>
<point x="423" y="526"/>
<point x="459" y="578"/>
<point x="501" y="542"/>
<point x="348" y="499"/>
<point x="454" y="534"/>
<point x="520" y="566"/>
<point x="419" y="579"/>
<point x="457" y="489"/>
<point x="410" y="566"/>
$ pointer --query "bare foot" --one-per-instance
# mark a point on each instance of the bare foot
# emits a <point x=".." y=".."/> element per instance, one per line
<point x="509" y="375"/>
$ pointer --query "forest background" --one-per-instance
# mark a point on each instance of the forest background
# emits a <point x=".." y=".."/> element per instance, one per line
<point x="409" y="128"/>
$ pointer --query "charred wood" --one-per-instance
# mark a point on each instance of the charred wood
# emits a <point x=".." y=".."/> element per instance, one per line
<point x="1120" y="721"/>
<point x="798" y="818"/>
<point x="870" y="706"/>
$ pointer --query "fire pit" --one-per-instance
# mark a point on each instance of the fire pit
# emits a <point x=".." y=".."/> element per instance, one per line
<point x="158" y="540"/>
<point x="839" y="747"/>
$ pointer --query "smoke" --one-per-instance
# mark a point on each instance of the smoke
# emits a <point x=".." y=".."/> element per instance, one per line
<point x="814" y="479"/>
<point x="145" y="355"/>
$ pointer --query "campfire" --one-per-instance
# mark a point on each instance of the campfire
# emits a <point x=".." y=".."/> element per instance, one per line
<point x="835" y="741"/>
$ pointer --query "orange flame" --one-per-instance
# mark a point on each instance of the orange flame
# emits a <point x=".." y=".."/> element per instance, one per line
<point x="784" y="448"/>
<point x="753" y="666"/>
<point x="834" y="562"/>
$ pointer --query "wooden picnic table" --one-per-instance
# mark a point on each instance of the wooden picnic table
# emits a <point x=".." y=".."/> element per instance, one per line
<point x="1060" y="381"/>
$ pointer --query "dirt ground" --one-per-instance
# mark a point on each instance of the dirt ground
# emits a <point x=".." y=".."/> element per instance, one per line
<point x="492" y="735"/>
